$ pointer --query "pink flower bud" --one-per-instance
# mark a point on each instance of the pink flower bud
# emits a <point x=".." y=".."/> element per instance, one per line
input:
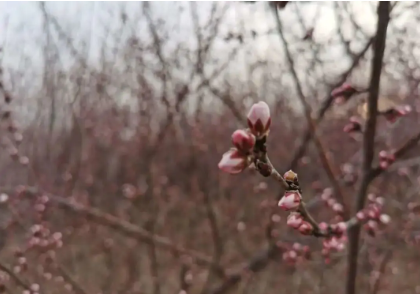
<point x="233" y="161"/>
<point x="353" y="126"/>
<point x="290" y="200"/>
<point x="383" y="164"/>
<point x="333" y="243"/>
<point x="290" y="256"/>
<point x="361" y="216"/>
<point x="259" y="119"/>
<point x="305" y="228"/>
<point x="383" y="154"/>
<point x="337" y="207"/>
<point x="323" y="226"/>
<point x="331" y="202"/>
<point x="339" y="228"/>
<point x="297" y="247"/>
<point x="294" y="220"/>
<point x="243" y="140"/>
<point x="385" y="219"/>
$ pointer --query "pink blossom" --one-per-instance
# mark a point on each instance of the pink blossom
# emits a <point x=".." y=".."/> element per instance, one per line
<point x="294" y="220"/>
<point x="297" y="246"/>
<point x="243" y="140"/>
<point x="353" y="126"/>
<point x="305" y="228"/>
<point x="339" y="228"/>
<point x="290" y="200"/>
<point x="233" y="161"/>
<point x="323" y="226"/>
<point x="361" y="216"/>
<point x="386" y="159"/>
<point x="259" y="119"/>
<point x="337" y="207"/>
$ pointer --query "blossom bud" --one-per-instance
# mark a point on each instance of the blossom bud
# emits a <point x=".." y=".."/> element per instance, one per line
<point x="385" y="159"/>
<point x="290" y="200"/>
<point x="294" y="220"/>
<point x="337" y="207"/>
<point x="361" y="216"/>
<point x="243" y="140"/>
<point x="290" y="176"/>
<point x="353" y="126"/>
<point x="305" y="228"/>
<point x="259" y="119"/>
<point x="385" y="219"/>
<point x="297" y="247"/>
<point x="233" y="161"/>
<point x="340" y="227"/>
<point x="323" y="226"/>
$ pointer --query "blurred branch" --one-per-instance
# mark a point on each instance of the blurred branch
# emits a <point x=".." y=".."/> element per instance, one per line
<point x="74" y="284"/>
<point x="121" y="226"/>
<point x="368" y="140"/>
<point x="381" y="270"/>
<point x="255" y="264"/>
<point x="18" y="280"/>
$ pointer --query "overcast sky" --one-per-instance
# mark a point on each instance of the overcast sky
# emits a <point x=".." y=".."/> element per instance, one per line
<point x="21" y="22"/>
<point x="21" y="31"/>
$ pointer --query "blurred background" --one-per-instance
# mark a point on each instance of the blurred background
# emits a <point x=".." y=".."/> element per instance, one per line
<point x="126" y="109"/>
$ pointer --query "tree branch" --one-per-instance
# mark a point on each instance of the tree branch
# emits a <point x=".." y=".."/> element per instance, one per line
<point x="368" y="140"/>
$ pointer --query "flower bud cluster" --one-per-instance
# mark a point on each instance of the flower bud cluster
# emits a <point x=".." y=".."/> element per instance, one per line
<point x="296" y="252"/>
<point x="327" y="197"/>
<point x="238" y="158"/>
<point x="373" y="215"/>
<point x="386" y="159"/>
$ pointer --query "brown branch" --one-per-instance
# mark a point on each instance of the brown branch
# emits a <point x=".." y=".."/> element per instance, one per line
<point x="368" y="140"/>
<point x="255" y="264"/>
<point x="69" y="279"/>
